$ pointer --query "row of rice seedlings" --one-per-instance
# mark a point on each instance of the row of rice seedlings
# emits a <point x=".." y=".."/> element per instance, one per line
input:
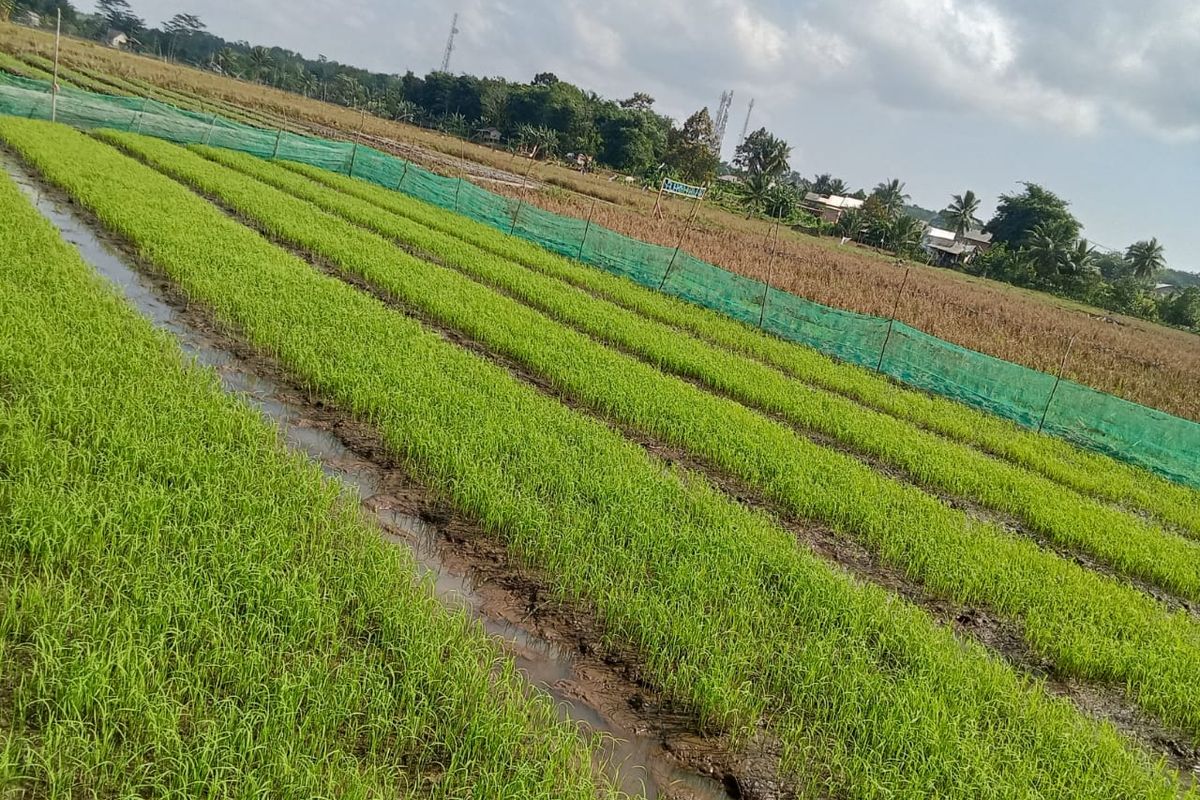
<point x="1090" y="473"/>
<point x="188" y="610"/>
<point x="18" y="67"/>
<point x="867" y="696"/>
<point x="1123" y="540"/>
<point x="65" y="73"/>
<point x="1084" y="622"/>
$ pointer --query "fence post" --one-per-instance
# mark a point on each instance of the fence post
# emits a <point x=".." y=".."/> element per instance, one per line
<point x="403" y="174"/>
<point x="54" y="85"/>
<point x="762" y="314"/>
<point x="521" y="200"/>
<point x="1057" y="380"/>
<point x="587" y="226"/>
<point x="892" y="320"/>
<point x="683" y="233"/>
<point x="142" y="113"/>
<point x="275" y="152"/>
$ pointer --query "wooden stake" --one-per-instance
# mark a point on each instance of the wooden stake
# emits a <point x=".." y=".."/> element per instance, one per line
<point x="762" y="314"/>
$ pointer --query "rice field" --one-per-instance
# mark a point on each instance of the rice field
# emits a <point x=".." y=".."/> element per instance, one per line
<point x="884" y="593"/>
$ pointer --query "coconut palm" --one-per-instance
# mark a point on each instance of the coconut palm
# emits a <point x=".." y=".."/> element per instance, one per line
<point x="961" y="212"/>
<point x="892" y="196"/>
<point x="1048" y="250"/>
<point x="1145" y="258"/>
<point x="756" y="189"/>
<point x="827" y="184"/>
<point x="1081" y="258"/>
<point x="850" y="224"/>
<point x="903" y="234"/>
<point x="261" y="62"/>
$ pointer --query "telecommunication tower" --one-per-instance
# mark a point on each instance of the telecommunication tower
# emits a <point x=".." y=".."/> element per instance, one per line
<point x="746" y="124"/>
<point x="721" y="120"/>
<point x="450" y="43"/>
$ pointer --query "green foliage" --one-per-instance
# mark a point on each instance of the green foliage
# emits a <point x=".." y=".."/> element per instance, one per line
<point x="960" y="214"/>
<point x="762" y="153"/>
<point x="1182" y="308"/>
<point x="1019" y="215"/>
<point x="689" y="154"/>
<point x="891" y="197"/>
<point x="1145" y="259"/>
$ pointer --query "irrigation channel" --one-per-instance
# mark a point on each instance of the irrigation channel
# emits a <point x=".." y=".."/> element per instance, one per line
<point x="649" y="752"/>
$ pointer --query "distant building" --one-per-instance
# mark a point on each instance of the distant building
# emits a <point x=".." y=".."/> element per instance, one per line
<point x="489" y="135"/>
<point x="948" y="248"/>
<point x="1164" y="289"/>
<point x="981" y="241"/>
<point x="30" y="18"/>
<point x="115" y="38"/>
<point x="829" y="208"/>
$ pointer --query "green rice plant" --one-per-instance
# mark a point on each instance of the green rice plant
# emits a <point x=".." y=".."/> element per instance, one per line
<point x="188" y="610"/>
<point x="1120" y="539"/>
<point x="1080" y="620"/>
<point x="868" y="697"/>
<point x="1087" y="472"/>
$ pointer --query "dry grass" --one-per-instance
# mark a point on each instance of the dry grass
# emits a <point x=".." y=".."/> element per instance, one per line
<point x="1147" y="363"/>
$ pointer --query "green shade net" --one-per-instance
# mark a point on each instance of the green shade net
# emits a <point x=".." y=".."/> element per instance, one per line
<point x="1144" y="436"/>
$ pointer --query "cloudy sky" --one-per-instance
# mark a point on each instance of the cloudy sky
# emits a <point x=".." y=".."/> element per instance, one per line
<point x="1099" y="100"/>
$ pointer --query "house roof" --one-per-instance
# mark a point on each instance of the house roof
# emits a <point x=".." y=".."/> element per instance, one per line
<point x="977" y="236"/>
<point x="940" y="233"/>
<point x="955" y="249"/>
<point x="833" y="200"/>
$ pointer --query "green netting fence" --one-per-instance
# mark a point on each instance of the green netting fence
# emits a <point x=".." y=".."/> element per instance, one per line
<point x="1144" y="436"/>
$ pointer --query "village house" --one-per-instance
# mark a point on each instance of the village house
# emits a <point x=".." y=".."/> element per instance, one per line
<point x="948" y="249"/>
<point x="829" y="208"/>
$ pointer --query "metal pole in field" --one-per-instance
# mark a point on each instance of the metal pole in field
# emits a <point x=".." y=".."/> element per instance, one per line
<point x="142" y="113"/>
<point x="208" y="133"/>
<point x="54" y="85"/>
<point x="357" y="136"/>
<point x="521" y="200"/>
<point x="275" y="152"/>
<point x="892" y="320"/>
<point x="762" y="314"/>
<point x="1057" y="380"/>
<point x="462" y="171"/>
<point x="683" y="233"/>
<point x="586" y="228"/>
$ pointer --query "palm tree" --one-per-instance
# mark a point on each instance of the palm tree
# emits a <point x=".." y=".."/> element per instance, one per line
<point x="1146" y="258"/>
<point x="755" y="191"/>
<point x="1048" y="250"/>
<point x="827" y="184"/>
<point x="850" y="224"/>
<point x="406" y="111"/>
<point x="961" y="212"/>
<point x="892" y="196"/>
<point x="903" y="234"/>
<point x="261" y="62"/>
<point x="1080" y="258"/>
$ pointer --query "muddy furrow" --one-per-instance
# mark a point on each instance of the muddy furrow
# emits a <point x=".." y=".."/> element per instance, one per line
<point x="652" y="747"/>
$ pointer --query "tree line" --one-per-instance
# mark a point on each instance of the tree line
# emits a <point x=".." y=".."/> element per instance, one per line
<point x="1037" y="242"/>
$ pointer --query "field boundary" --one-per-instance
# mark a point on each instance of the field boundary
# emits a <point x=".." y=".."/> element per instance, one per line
<point x="1134" y="433"/>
